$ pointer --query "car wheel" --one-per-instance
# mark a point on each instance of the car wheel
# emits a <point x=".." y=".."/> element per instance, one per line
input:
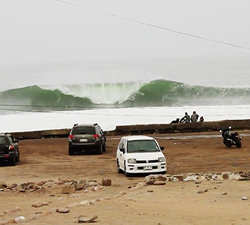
<point x="71" y="151"/>
<point x="17" y="157"/>
<point x="125" y="170"/>
<point x="99" y="150"/>
<point x="118" y="167"/>
<point x="104" y="147"/>
<point x="12" y="161"/>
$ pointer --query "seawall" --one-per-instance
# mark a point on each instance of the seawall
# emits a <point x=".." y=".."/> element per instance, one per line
<point x="144" y="129"/>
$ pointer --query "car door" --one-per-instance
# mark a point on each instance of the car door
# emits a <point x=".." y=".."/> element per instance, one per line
<point x="120" y="154"/>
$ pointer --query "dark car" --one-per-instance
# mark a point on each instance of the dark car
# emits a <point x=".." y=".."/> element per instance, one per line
<point x="86" y="138"/>
<point x="9" y="151"/>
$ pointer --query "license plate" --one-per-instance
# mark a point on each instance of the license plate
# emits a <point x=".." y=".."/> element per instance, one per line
<point x="147" y="167"/>
<point x="83" y="140"/>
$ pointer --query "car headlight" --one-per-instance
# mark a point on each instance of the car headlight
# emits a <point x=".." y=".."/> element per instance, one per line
<point x="131" y="160"/>
<point x="161" y="159"/>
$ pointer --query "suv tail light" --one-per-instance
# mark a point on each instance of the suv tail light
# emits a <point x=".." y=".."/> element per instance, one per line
<point x="96" y="136"/>
<point x="71" y="136"/>
<point x="11" y="147"/>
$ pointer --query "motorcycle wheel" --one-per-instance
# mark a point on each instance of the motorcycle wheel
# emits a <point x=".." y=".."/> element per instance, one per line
<point x="227" y="143"/>
<point x="238" y="144"/>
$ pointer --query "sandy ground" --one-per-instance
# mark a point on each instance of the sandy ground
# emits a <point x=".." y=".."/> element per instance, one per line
<point x="126" y="202"/>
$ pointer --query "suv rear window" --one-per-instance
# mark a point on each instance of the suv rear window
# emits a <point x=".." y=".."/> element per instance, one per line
<point x="2" y="140"/>
<point x="83" y="130"/>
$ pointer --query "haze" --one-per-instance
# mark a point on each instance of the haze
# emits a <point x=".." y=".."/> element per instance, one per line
<point x="53" y="31"/>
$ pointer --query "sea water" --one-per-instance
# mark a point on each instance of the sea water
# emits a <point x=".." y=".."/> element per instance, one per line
<point x="57" y="95"/>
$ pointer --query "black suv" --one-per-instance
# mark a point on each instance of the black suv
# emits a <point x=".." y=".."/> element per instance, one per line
<point x="87" y="137"/>
<point x="9" y="151"/>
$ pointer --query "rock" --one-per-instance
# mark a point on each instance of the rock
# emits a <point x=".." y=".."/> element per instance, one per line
<point x="60" y="182"/>
<point x="91" y="183"/>
<point x="202" y="191"/>
<point x="159" y="183"/>
<point x="85" y="202"/>
<point x="150" y="180"/>
<point x="83" y="219"/>
<point x="63" y="210"/>
<point x="244" y="198"/>
<point x="161" y="178"/>
<point x="106" y="182"/>
<point x="68" y="189"/>
<point x="3" y="185"/>
<point x="225" y="176"/>
<point x="79" y="186"/>
<point x="20" y="219"/>
<point x="37" y="204"/>
<point x="179" y="177"/>
<point x="49" y="184"/>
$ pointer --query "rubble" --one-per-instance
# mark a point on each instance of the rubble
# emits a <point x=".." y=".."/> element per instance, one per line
<point x="67" y="187"/>
<point x="196" y="177"/>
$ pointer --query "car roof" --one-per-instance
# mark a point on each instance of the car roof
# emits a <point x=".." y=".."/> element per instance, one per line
<point x="137" y="137"/>
<point x="85" y="124"/>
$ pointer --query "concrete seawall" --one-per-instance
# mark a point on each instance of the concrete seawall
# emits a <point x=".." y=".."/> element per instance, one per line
<point x="144" y="129"/>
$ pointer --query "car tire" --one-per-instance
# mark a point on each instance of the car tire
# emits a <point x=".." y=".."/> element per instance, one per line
<point x="71" y="151"/>
<point x="17" y="157"/>
<point x="12" y="161"/>
<point x="104" y="147"/>
<point x="99" y="150"/>
<point x="118" y="167"/>
<point x="125" y="171"/>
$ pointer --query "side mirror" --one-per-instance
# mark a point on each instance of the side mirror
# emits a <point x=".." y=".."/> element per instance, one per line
<point x="122" y="150"/>
<point x="162" y="148"/>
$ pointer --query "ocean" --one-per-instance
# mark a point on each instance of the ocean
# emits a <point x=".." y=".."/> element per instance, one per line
<point x="42" y="96"/>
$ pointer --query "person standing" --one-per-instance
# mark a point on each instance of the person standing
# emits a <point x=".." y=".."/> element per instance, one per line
<point x="194" y="117"/>
<point x="185" y="119"/>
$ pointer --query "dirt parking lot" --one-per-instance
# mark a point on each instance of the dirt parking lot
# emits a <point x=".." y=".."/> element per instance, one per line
<point x="47" y="161"/>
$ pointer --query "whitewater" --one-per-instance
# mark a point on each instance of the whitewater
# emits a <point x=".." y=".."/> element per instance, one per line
<point x="57" y="95"/>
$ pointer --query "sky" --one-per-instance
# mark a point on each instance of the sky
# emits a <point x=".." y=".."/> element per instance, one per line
<point x="80" y="30"/>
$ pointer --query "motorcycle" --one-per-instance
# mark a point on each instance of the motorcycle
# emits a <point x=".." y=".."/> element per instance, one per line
<point x="231" y="138"/>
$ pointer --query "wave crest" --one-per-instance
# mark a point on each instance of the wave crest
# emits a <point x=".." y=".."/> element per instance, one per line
<point x="130" y="94"/>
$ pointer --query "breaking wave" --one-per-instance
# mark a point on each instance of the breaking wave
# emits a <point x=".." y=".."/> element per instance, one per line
<point x="129" y="94"/>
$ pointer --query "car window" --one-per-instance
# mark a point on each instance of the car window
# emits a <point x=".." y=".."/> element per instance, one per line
<point x="142" y="146"/>
<point x="83" y="130"/>
<point x="98" y="129"/>
<point x="2" y="141"/>
<point x="121" y="144"/>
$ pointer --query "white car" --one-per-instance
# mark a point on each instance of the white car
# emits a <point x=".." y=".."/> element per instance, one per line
<point x="140" y="154"/>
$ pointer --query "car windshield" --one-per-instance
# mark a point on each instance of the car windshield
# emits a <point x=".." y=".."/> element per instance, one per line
<point x="83" y="130"/>
<point x="142" y="146"/>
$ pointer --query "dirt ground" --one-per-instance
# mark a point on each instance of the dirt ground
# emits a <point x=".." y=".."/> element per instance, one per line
<point x="125" y="202"/>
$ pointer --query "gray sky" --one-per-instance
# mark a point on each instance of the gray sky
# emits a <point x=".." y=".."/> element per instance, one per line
<point x="51" y="31"/>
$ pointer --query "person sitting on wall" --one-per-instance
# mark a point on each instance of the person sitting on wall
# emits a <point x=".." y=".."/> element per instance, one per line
<point x="176" y="121"/>
<point x="185" y="119"/>
<point x="201" y="119"/>
<point x="194" y="117"/>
